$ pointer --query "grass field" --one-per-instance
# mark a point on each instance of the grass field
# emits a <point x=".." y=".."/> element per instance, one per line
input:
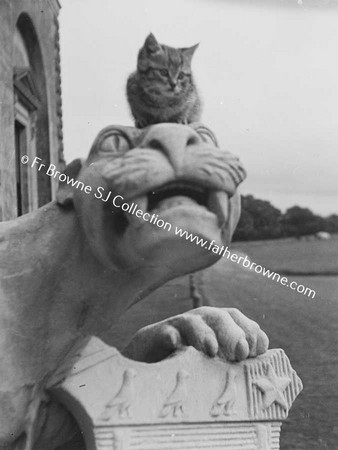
<point x="307" y="329"/>
<point x="292" y="255"/>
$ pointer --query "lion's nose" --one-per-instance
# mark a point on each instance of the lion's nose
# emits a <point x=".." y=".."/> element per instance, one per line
<point x="172" y="140"/>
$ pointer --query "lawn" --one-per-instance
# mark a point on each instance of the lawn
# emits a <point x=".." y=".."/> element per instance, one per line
<point x="293" y="255"/>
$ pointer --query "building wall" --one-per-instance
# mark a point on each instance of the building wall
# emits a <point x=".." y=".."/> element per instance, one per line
<point x="38" y="23"/>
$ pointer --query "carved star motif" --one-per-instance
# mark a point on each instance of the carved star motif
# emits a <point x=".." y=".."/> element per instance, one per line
<point x="272" y="388"/>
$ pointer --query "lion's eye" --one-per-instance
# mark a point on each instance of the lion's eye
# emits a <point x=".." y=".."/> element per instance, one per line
<point x="116" y="143"/>
<point x="164" y="72"/>
<point x="206" y="135"/>
<point x="180" y="76"/>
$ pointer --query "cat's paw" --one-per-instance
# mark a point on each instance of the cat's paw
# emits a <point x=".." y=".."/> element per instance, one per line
<point x="139" y="124"/>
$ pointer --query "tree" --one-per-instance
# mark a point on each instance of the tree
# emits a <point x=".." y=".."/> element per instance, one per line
<point x="299" y="221"/>
<point x="245" y="229"/>
<point x="259" y="220"/>
<point x="331" y="223"/>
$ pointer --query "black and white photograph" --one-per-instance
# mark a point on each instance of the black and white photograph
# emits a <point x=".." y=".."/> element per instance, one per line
<point x="168" y="224"/>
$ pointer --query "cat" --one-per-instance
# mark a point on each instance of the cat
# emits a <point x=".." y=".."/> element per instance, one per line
<point x="162" y="89"/>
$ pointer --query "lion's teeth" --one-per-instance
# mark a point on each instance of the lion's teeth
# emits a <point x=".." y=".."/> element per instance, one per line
<point x="218" y="204"/>
<point x="139" y="203"/>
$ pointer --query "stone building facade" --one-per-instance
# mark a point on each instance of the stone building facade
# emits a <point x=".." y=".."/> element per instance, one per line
<point x="30" y="103"/>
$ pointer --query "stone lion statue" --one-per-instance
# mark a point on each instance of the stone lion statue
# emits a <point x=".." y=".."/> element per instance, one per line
<point x="70" y="269"/>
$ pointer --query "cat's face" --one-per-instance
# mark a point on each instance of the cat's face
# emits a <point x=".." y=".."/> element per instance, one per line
<point x="165" y="70"/>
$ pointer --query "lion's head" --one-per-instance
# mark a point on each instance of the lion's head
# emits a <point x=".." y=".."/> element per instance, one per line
<point x="173" y="172"/>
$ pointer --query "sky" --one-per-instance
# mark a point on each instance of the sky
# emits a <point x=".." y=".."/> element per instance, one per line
<point x="267" y="72"/>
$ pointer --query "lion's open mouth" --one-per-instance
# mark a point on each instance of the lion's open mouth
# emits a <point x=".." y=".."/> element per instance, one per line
<point x="177" y="190"/>
<point x="171" y="195"/>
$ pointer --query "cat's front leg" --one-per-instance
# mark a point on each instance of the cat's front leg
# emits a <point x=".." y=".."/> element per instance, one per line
<point x="140" y="123"/>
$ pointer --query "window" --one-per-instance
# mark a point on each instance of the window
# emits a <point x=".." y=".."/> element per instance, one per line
<point x="26" y="105"/>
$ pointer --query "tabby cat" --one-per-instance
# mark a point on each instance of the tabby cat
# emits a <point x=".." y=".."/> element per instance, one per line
<point x="162" y="89"/>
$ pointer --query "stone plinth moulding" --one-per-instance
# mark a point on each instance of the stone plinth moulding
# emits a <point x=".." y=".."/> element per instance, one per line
<point x="188" y="401"/>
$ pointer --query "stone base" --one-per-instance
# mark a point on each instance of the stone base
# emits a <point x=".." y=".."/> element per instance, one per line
<point x="188" y="401"/>
<point x="231" y="436"/>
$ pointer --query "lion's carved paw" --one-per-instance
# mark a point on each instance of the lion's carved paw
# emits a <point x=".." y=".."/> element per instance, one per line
<point x="225" y="332"/>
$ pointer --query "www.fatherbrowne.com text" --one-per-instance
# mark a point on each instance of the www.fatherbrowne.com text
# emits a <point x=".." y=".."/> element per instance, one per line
<point x="154" y="219"/>
<point x="245" y="262"/>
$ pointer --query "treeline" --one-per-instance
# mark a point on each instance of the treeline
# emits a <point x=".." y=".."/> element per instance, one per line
<point x="261" y="220"/>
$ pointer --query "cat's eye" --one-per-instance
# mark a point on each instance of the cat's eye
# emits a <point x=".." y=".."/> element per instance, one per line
<point x="180" y="76"/>
<point x="164" y="72"/>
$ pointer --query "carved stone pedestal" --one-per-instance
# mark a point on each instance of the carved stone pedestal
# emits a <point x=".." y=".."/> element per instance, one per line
<point x="188" y="401"/>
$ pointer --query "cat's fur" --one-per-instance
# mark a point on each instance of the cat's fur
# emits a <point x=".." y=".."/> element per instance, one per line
<point x="162" y="89"/>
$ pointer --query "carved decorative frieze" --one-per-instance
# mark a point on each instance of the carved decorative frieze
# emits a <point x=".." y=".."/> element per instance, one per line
<point x="224" y="405"/>
<point x="272" y="386"/>
<point x="186" y="401"/>
<point x="121" y="402"/>
<point x="174" y="404"/>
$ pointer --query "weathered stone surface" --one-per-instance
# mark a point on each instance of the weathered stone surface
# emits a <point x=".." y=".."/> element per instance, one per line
<point x="38" y="21"/>
<point x="71" y="268"/>
<point x="186" y="401"/>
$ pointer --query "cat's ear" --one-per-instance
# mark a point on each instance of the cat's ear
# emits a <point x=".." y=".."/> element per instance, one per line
<point x="151" y="44"/>
<point x="189" y="52"/>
